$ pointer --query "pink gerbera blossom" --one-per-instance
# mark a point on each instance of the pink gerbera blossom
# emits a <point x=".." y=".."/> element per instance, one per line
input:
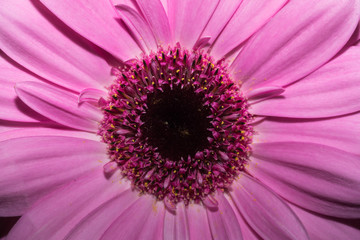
<point x="155" y="119"/>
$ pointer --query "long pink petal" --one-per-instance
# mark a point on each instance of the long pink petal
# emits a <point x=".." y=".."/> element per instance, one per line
<point x="95" y="224"/>
<point x="95" y="20"/>
<point x="198" y="224"/>
<point x="12" y="108"/>
<point x="317" y="177"/>
<point x="140" y="25"/>
<point x="31" y="167"/>
<point x="247" y="232"/>
<point x="330" y="91"/>
<point x="321" y="227"/>
<point x="222" y="15"/>
<point x="46" y="130"/>
<point x="55" y="215"/>
<point x="51" y="51"/>
<point x="340" y="132"/>
<point x="296" y="41"/>
<point x="142" y="220"/>
<point x="155" y="15"/>
<point x="188" y="19"/>
<point x="249" y="17"/>
<point x="264" y="211"/>
<point x="59" y="105"/>
<point x="223" y="222"/>
<point x="176" y="225"/>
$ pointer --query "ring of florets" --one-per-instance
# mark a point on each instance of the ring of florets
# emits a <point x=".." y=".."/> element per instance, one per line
<point x="152" y="165"/>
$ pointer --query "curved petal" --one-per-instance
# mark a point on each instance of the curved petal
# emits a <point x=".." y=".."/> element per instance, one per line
<point x="12" y="108"/>
<point x="247" y="232"/>
<point x="249" y="17"/>
<point x="265" y="212"/>
<point x="139" y="24"/>
<point x="323" y="131"/>
<point x="94" y="225"/>
<point x="46" y="130"/>
<point x="47" y="47"/>
<point x="55" y="215"/>
<point x="322" y="227"/>
<point x="332" y="90"/>
<point x="297" y="40"/>
<point x="96" y="21"/>
<point x="222" y="15"/>
<point x="188" y="19"/>
<point x="155" y="15"/>
<point x="317" y="177"/>
<point x="59" y="105"/>
<point x="223" y="222"/>
<point x="198" y="224"/>
<point x="142" y="220"/>
<point x="176" y="225"/>
<point x="42" y="164"/>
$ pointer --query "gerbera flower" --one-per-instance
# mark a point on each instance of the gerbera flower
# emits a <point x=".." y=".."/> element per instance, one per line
<point x="180" y="119"/>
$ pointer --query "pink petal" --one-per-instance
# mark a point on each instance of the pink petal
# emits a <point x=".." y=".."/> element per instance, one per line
<point x="176" y="225"/>
<point x="46" y="49"/>
<point x="55" y="215"/>
<point x="222" y="15"/>
<point x="46" y="130"/>
<point x="95" y="20"/>
<point x="332" y="90"/>
<point x="12" y="108"/>
<point x="155" y="15"/>
<point x="320" y="227"/>
<point x="142" y="220"/>
<point x="248" y="18"/>
<point x="139" y="24"/>
<point x="91" y="95"/>
<point x="223" y="222"/>
<point x="264" y="211"/>
<point x="188" y="19"/>
<point x="42" y="164"/>
<point x="59" y="105"/>
<point x="262" y="93"/>
<point x="247" y="232"/>
<point x="198" y="224"/>
<point x="317" y="177"/>
<point x="330" y="132"/>
<point x="95" y="224"/>
<point x="296" y="41"/>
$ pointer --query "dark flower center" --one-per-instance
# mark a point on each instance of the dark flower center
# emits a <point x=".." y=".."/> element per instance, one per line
<point x="176" y="125"/>
<point x="176" y="122"/>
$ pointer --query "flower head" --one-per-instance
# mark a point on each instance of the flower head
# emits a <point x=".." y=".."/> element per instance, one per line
<point x="180" y="119"/>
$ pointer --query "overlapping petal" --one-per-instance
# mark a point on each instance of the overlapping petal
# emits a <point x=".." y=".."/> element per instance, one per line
<point x="44" y="221"/>
<point x="12" y="108"/>
<point x="317" y="177"/>
<point x="264" y="211"/>
<point x="330" y="91"/>
<point x="59" y="105"/>
<point x="34" y="166"/>
<point x="297" y="40"/>
<point x="188" y="19"/>
<point x="48" y="48"/>
<point x="331" y="131"/>
<point x="245" y="23"/>
<point x="96" y="21"/>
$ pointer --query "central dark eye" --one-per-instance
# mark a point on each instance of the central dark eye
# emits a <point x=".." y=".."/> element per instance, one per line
<point x="176" y="122"/>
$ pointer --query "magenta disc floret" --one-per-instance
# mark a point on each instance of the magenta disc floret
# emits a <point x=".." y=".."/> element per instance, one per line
<point x="176" y="125"/>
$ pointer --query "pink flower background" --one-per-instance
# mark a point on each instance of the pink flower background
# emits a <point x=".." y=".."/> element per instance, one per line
<point x="297" y="61"/>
